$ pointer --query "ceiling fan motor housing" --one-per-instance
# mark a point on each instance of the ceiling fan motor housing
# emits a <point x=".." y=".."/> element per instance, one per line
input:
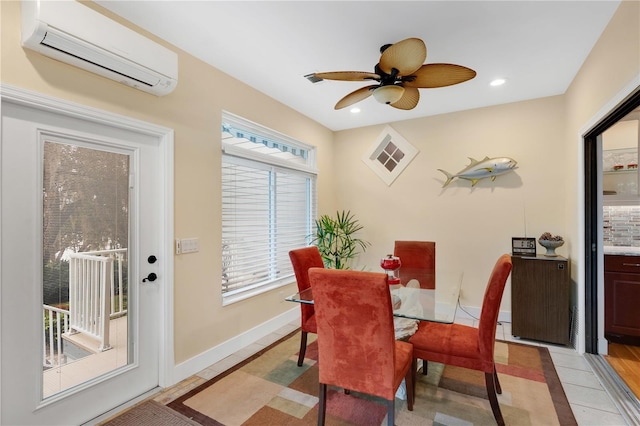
<point x="387" y="79"/>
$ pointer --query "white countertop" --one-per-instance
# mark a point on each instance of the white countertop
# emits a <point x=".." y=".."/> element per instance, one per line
<point x="621" y="251"/>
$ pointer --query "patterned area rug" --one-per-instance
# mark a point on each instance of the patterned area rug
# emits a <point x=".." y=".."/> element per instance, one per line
<point x="270" y="389"/>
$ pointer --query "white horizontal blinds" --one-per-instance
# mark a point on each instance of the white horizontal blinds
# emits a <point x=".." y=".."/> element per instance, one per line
<point x="294" y="208"/>
<point x="267" y="210"/>
<point x="245" y="225"/>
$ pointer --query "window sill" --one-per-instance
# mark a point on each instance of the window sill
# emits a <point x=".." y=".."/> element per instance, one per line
<point x="238" y="297"/>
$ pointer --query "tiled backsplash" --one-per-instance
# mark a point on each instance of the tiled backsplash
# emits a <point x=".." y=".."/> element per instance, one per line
<point x="621" y="225"/>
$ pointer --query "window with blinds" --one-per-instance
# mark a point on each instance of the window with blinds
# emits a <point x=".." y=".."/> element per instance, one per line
<point x="268" y="206"/>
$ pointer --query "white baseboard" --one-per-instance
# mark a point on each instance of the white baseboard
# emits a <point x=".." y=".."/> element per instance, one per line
<point x="205" y="359"/>
<point x="603" y="346"/>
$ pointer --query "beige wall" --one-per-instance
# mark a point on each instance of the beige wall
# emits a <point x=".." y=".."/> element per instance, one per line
<point x="622" y="135"/>
<point x="613" y="66"/>
<point x="472" y="226"/>
<point x="193" y="110"/>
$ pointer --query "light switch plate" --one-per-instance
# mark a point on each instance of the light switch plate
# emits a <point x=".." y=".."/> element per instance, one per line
<point x="190" y="245"/>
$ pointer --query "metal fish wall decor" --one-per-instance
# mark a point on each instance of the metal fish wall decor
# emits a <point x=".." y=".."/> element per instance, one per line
<point x="487" y="168"/>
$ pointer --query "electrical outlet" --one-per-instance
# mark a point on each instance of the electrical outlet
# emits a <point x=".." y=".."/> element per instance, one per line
<point x="178" y="246"/>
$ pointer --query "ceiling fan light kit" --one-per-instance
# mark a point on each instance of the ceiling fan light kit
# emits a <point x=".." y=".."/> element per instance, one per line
<point x="388" y="94"/>
<point x="399" y="74"/>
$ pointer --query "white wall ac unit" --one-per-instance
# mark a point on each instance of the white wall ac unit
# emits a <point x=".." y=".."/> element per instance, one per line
<point x="76" y="34"/>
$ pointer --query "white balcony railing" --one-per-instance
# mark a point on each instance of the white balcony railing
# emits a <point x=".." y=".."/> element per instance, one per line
<point x="56" y="322"/>
<point x="117" y="274"/>
<point x="97" y="293"/>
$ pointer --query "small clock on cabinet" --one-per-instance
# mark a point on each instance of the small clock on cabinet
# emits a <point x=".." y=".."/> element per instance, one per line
<point x="523" y="246"/>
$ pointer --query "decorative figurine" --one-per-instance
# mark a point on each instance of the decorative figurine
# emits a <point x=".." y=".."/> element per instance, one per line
<point x="487" y="168"/>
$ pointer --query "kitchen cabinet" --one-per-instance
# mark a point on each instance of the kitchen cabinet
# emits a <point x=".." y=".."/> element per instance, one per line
<point x="622" y="298"/>
<point x="540" y="299"/>
<point x="620" y="166"/>
<point x="620" y="187"/>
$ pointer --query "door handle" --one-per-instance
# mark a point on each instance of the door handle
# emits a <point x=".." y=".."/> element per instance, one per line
<point x="151" y="277"/>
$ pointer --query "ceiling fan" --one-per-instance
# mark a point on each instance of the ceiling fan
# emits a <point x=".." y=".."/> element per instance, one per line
<point x="399" y="75"/>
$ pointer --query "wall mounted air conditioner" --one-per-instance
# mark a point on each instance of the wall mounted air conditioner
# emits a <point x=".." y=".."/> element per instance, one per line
<point x="76" y="34"/>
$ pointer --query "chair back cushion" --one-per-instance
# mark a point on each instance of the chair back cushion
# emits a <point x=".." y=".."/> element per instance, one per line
<point x="418" y="260"/>
<point x="356" y="343"/>
<point x="302" y="259"/>
<point x="491" y="306"/>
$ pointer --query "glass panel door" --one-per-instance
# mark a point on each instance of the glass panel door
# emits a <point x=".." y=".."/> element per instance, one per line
<point x="85" y="264"/>
<point x="82" y="197"/>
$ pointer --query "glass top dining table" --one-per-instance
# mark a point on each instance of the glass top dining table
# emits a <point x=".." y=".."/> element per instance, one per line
<point x="415" y="302"/>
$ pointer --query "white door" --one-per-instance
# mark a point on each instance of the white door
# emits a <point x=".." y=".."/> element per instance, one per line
<point x="57" y="365"/>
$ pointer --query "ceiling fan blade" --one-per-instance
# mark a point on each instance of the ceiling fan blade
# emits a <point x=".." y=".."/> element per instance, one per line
<point x="409" y="99"/>
<point x="347" y="75"/>
<point x="355" y="96"/>
<point x="406" y="56"/>
<point x="440" y="75"/>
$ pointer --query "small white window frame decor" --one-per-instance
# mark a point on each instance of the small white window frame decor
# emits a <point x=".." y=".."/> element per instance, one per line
<point x="389" y="155"/>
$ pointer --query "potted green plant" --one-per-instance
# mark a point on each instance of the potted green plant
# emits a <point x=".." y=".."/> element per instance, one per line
<point x="336" y="240"/>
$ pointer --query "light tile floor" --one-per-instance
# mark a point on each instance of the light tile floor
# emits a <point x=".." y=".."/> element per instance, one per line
<point x="590" y="403"/>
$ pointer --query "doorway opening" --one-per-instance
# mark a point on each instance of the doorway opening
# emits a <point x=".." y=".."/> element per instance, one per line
<point x="611" y="198"/>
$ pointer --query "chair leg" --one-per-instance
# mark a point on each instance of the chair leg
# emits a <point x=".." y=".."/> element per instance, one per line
<point x="495" y="377"/>
<point x="493" y="398"/>
<point x="414" y="376"/>
<point x="322" y="408"/>
<point x="424" y="367"/>
<point x="410" y="385"/>
<point x="391" y="412"/>
<point x="303" y="348"/>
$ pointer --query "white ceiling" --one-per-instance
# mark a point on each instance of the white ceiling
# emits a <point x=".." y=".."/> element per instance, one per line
<point x="538" y="46"/>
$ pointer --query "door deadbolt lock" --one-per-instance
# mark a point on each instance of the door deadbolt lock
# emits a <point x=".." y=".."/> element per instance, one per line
<point x="152" y="259"/>
<point x="151" y="277"/>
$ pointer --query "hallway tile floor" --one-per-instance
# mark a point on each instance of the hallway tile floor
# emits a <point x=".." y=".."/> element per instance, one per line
<point x="590" y="403"/>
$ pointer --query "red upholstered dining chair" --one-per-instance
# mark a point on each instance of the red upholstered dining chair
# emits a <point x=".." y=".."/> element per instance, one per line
<point x="301" y="260"/>
<point x="356" y="342"/>
<point x="465" y="346"/>
<point x="418" y="260"/>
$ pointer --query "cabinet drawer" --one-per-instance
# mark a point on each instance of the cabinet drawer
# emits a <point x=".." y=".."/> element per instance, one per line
<point x="630" y="264"/>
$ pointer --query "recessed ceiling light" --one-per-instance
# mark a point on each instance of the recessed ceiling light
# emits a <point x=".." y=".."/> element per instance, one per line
<point x="355" y="110"/>
<point x="498" y="82"/>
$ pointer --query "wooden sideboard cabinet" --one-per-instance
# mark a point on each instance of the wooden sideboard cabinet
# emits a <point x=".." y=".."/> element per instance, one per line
<point x="622" y="299"/>
<point x="541" y="299"/>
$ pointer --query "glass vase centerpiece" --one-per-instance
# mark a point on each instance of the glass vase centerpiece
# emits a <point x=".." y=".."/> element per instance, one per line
<point x="391" y="265"/>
